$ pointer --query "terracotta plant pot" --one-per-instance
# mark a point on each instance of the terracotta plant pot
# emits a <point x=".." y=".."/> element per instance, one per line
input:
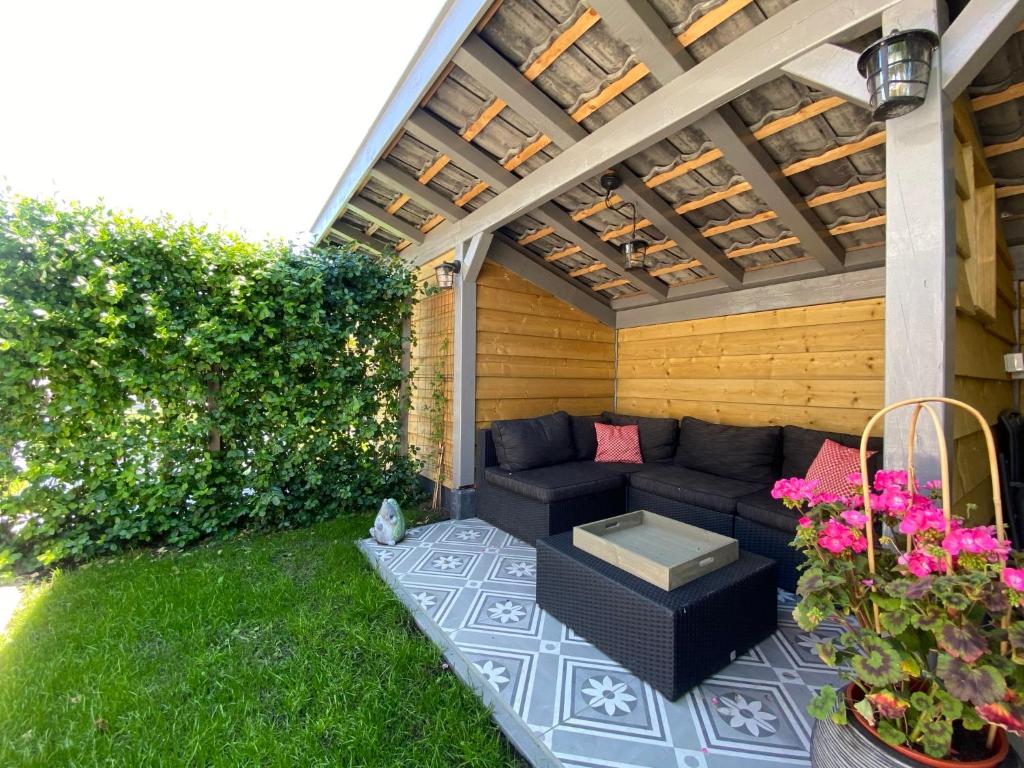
<point x="858" y="744"/>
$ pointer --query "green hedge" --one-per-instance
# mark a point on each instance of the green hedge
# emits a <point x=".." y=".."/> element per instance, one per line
<point x="160" y="382"/>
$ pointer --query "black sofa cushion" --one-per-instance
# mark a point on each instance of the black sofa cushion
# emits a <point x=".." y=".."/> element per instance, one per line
<point x="557" y="483"/>
<point x="692" y="487"/>
<point x="741" y="453"/>
<point x="761" y="508"/>
<point x="528" y="443"/>
<point x="657" y="436"/>
<point x="800" y="446"/>
<point x="584" y="436"/>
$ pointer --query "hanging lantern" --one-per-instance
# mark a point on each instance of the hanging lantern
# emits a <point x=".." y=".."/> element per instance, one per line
<point x="635" y="252"/>
<point x="897" y="69"/>
<point x="635" y="249"/>
<point x="445" y="273"/>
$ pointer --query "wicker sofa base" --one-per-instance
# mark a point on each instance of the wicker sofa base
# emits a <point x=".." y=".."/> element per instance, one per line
<point x="708" y="519"/>
<point x="772" y="543"/>
<point x="672" y="640"/>
<point x="528" y="519"/>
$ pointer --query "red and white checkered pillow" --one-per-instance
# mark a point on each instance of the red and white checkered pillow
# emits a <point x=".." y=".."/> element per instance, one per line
<point x="618" y="443"/>
<point x="831" y="467"/>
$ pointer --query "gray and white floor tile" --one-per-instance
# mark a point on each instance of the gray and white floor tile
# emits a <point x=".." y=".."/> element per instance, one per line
<point x="473" y="589"/>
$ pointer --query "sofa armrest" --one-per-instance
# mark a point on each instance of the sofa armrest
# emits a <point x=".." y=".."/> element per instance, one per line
<point x="486" y="455"/>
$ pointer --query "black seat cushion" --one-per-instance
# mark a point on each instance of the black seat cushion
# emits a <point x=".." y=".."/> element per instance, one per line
<point x="692" y="487"/>
<point x="557" y="483"/>
<point x="584" y="436"/>
<point x="761" y="508"/>
<point x="742" y="453"/>
<point x="800" y="447"/>
<point x="657" y="436"/>
<point x="528" y="443"/>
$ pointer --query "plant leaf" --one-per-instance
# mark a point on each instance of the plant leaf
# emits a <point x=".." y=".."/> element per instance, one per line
<point x="978" y="685"/>
<point x="866" y="710"/>
<point x="895" y="622"/>
<point x="936" y="737"/>
<point x="890" y="734"/>
<point x="824" y="703"/>
<point x="879" y="664"/>
<point x="965" y="642"/>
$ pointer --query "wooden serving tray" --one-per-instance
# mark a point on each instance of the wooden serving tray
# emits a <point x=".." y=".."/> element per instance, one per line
<point x="656" y="548"/>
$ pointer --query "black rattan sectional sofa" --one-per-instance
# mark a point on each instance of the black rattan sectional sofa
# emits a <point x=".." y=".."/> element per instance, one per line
<point x="538" y="477"/>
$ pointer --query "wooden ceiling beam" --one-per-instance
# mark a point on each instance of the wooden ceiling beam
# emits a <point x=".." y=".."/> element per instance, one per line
<point x="429" y="198"/>
<point x="637" y="23"/>
<point x="736" y="68"/>
<point x="355" y="235"/>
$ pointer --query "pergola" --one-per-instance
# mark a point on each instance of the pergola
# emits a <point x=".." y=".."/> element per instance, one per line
<point x="741" y="133"/>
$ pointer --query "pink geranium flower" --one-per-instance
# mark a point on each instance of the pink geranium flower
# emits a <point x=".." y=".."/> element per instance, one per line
<point x="854" y="517"/>
<point x="794" y="489"/>
<point x="922" y="517"/>
<point x="1014" y="578"/>
<point x="980" y="540"/>
<point x="805" y="522"/>
<point x="921" y="563"/>
<point x="895" y="479"/>
<point x="836" y="537"/>
<point x="856" y="479"/>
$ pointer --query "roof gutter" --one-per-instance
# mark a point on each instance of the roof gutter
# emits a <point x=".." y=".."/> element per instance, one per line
<point x="456" y="20"/>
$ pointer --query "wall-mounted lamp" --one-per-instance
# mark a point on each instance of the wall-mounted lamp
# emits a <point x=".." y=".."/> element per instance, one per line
<point x="635" y="249"/>
<point x="446" y="272"/>
<point x="897" y="68"/>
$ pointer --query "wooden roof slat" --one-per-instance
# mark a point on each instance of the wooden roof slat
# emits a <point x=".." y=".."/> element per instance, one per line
<point x="563" y="253"/>
<point x="397" y="203"/>
<point x="989" y="100"/>
<point x="800" y="116"/>
<point x="597" y="207"/>
<point x="533" y="237"/>
<point x="995" y="150"/>
<point x="664" y="245"/>
<point x="714" y="197"/>
<point x="853" y="226"/>
<point x="685" y="167"/>
<point x="836" y="153"/>
<point x="625" y="229"/>
<point x="843" y="194"/>
<point x="469" y="194"/>
<point x="680" y="267"/>
<point x="587" y="269"/>
<point x="739" y="224"/>
<point x="434" y="168"/>
<point x="526" y="153"/>
<point x="609" y="92"/>
<point x="609" y="284"/>
<point x="483" y="119"/>
<point x="561" y="44"/>
<point x="1011" y="190"/>
<point x="710" y="20"/>
<point x="735" y="253"/>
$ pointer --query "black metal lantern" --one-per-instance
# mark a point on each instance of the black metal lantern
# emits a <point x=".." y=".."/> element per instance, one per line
<point x="897" y="69"/>
<point x="635" y="249"/>
<point x="446" y="272"/>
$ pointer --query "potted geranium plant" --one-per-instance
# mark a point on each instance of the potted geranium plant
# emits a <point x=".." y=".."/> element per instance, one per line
<point x="931" y="639"/>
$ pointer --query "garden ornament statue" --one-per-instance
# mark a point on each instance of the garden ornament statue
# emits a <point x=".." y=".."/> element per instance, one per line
<point x="389" y="527"/>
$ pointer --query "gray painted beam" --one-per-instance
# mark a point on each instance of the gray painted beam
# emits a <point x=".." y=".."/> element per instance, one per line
<point x="431" y="131"/>
<point x="508" y="255"/>
<point x="832" y="69"/>
<point x="920" y="259"/>
<point x="454" y="22"/>
<point x="420" y="193"/>
<point x="382" y="218"/>
<point x="635" y="21"/>
<point x="744" y="64"/>
<point x="464" y="360"/>
<point x="497" y="75"/>
<point x="352" y="234"/>
<point x="491" y="69"/>
<point x="464" y="154"/>
<point x="973" y="39"/>
<point x="824" y="289"/>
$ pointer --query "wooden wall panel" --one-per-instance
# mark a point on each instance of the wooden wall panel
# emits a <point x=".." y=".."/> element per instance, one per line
<point x="820" y="367"/>
<point x="536" y="354"/>
<point x="981" y="381"/>
<point x="431" y="357"/>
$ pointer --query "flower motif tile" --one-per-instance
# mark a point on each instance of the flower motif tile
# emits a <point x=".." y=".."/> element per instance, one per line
<point x="446" y="563"/>
<point x="476" y="585"/>
<point x="505" y="613"/>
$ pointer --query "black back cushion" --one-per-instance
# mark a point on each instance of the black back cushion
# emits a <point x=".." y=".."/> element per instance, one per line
<point x="740" y="453"/>
<point x="584" y="436"/>
<point x="527" y="443"/>
<point x="800" y="446"/>
<point x="657" y="436"/>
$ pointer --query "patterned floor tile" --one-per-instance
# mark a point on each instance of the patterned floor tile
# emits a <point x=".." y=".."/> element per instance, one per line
<point x="477" y="585"/>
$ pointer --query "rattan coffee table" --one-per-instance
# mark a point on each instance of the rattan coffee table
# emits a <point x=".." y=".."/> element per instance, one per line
<point x="670" y="639"/>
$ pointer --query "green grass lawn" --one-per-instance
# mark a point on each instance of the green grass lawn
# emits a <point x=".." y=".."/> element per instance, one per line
<point x="270" y="650"/>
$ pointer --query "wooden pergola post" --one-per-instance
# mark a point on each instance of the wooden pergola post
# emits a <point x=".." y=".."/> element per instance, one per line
<point x="920" y="252"/>
<point x="472" y="254"/>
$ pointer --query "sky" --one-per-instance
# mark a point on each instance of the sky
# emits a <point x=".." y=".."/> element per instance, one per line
<point x="239" y="114"/>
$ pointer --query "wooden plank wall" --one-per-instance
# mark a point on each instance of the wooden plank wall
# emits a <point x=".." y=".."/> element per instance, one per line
<point x="981" y="381"/>
<point x="537" y="354"/>
<point x="820" y="367"/>
<point x="431" y="357"/>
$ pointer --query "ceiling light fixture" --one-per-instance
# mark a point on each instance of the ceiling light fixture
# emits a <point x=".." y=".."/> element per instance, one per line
<point x="635" y="249"/>
<point x="446" y="272"/>
<point x="897" y="69"/>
